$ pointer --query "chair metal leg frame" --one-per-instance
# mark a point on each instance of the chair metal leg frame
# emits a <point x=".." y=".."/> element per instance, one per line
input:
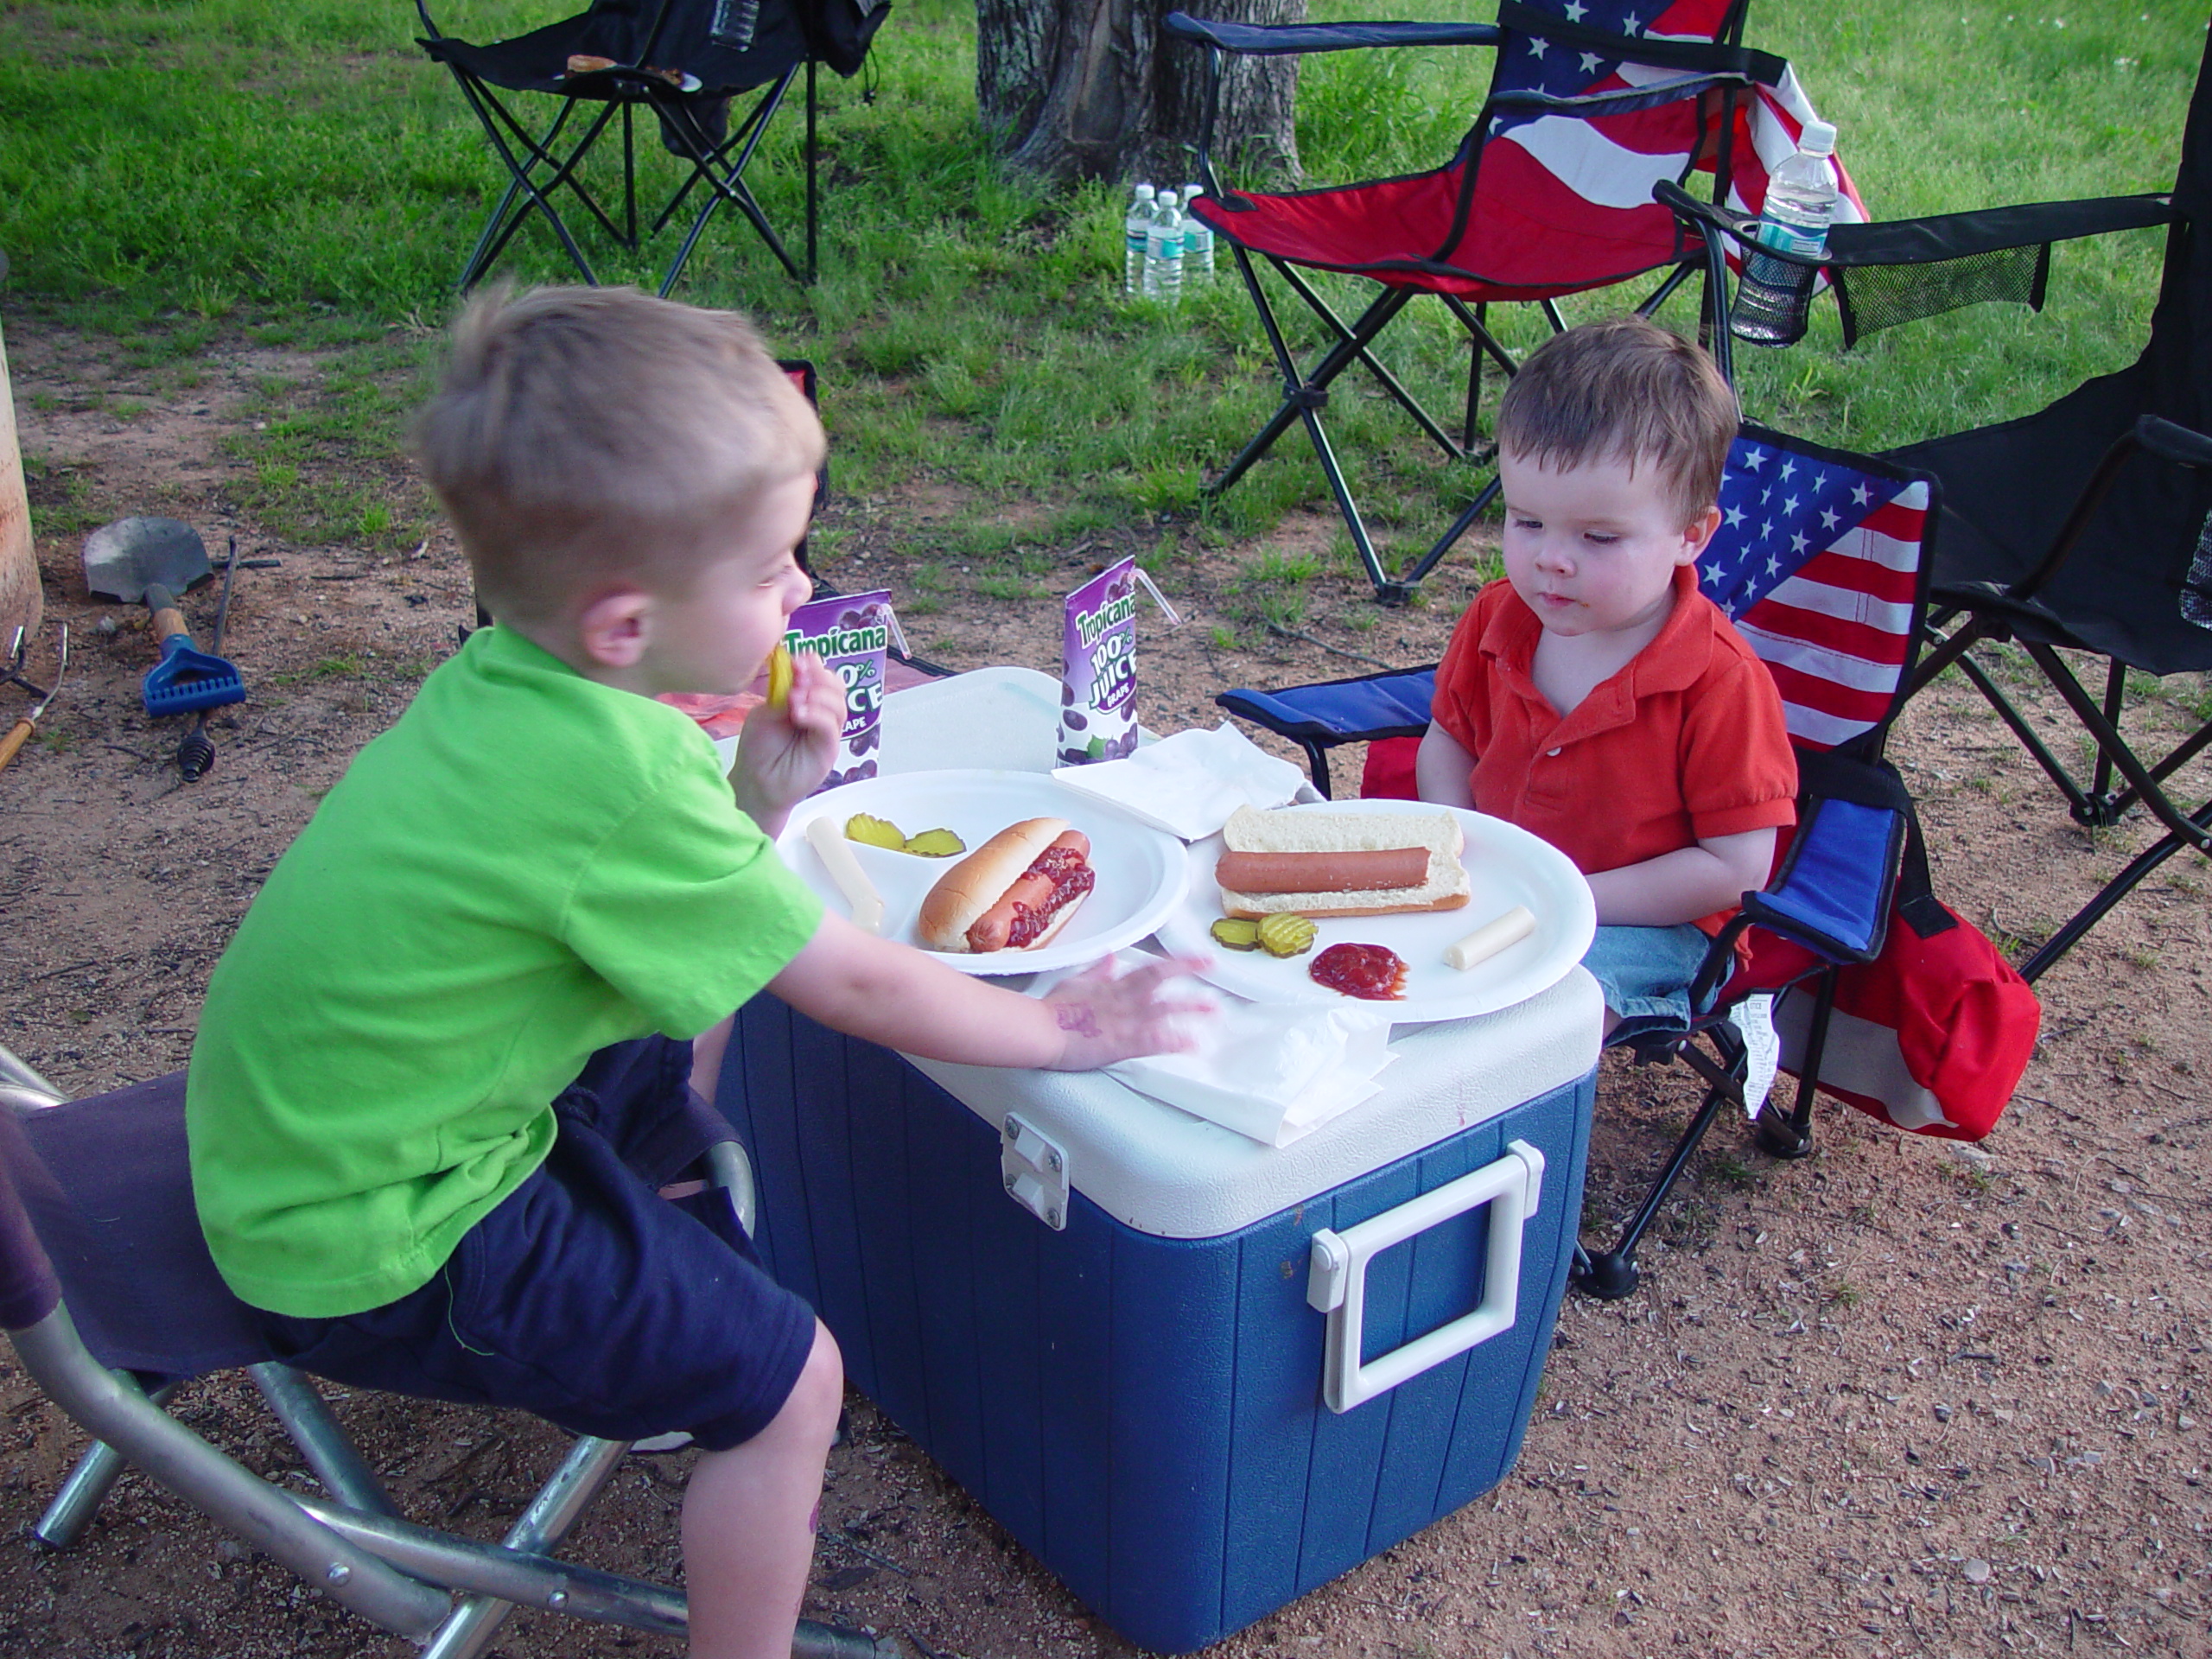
<point x="729" y="186"/>
<point x="509" y="216"/>
<point x="86" y="1489"/>
<point x="270" y="1519"/>
<point x="2097" y="805"/>
<point x="1610" y="1274"/>
<point x="2110" y="894"/>
<point x="1307" y="392"/>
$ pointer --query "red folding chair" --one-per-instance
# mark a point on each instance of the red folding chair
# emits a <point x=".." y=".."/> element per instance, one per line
<point x="1592" y="103"/>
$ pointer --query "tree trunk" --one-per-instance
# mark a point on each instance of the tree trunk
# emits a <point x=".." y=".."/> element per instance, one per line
<point x="1091" y="89"/>
<point x="20" y="599"/>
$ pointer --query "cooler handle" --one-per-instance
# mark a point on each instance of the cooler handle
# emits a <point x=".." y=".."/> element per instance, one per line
<point x="1337" y="1282"/>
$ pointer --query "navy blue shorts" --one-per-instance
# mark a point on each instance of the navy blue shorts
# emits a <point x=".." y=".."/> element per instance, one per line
<point x="586" y="1297"/>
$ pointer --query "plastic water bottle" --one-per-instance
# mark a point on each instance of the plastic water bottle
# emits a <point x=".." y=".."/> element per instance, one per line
<point x="1197" y="242"/>
<point x="1163" y="253"/>
<point x="1136" y="224"/>
<point x="1773" y="295"/>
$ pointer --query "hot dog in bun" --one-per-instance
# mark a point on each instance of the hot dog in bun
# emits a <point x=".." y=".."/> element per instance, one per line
<point x="1016" y="891"/>
<point x="1340" y="864"/>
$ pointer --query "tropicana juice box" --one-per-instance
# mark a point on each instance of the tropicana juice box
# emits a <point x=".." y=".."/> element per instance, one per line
<point x="851" y="633"/>
<point x="1098" y="673"/>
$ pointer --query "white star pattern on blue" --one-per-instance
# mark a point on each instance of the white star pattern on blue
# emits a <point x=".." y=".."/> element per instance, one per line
<point x="1590" y="62"/>
<point x="1538" y="46"/>
<point x="1575" y="10"/>
<point x="1825" y="502"/>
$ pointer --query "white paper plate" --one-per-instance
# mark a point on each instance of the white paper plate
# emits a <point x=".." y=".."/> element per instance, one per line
<point x="1506" y="866"/>
<point x="1141" y="871"/>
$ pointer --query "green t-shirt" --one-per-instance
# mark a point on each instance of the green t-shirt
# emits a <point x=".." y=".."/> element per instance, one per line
<point x="526" y="868"/>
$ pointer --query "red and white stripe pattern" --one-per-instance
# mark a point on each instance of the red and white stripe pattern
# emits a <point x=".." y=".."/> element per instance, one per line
<point x="1818" y="563"/>
<point x="1601" y="169"/>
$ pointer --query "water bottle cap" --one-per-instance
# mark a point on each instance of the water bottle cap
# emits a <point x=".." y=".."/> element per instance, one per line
<point x="1191" y="190"/>
<point x="1144" y="192"/>
<point x="1167" y="198"/>
<point x="1817" y="139"/>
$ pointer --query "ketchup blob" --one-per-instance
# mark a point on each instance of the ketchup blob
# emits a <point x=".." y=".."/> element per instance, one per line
<point x="1370" y="972"/>
<point x="1064" y="866"/>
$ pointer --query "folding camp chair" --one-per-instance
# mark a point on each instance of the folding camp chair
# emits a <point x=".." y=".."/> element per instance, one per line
<point x="1548" y="195"/>
<point x="2083" y="528"/>
<point x="1822" y="559"/>
<point x="684" y="60"/>
<point x="108" y="1292"/>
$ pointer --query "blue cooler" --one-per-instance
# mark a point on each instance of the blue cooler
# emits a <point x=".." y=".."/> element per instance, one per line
<point x="1195" y="1376"/>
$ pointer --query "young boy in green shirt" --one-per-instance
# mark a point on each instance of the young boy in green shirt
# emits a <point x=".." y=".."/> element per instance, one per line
<point x="441" y="1070"/>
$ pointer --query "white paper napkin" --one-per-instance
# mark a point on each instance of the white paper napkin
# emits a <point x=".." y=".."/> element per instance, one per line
<point x="1273" y="1071"/>
<point x="1189" y="783"/>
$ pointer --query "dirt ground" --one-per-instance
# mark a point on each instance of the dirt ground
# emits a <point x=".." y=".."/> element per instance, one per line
<point x="1901" y="1399"/>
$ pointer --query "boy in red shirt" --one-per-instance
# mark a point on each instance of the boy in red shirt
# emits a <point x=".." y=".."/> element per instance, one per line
<point x="1594" y="695"/>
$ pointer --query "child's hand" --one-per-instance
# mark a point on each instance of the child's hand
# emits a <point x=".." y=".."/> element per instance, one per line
<point x="785" y="753"/>
<point x="1104" y="1018"/>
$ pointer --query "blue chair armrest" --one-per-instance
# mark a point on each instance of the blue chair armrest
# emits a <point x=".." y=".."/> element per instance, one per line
<point x="1341" y="711"/>
<point x="1280" y="39"/>
<point x="1833" y="892"/>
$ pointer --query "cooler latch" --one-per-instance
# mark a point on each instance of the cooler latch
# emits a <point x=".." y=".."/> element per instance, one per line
<point x="1336" y="1282"/>
<point x="1035" y="1171"/>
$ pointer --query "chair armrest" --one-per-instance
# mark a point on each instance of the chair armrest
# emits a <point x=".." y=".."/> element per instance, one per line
<point x="1282" y="40"/>
<point x="1939" y="237"/>
<point x="2171" y="441"/>
<point x="1621" y="99"/>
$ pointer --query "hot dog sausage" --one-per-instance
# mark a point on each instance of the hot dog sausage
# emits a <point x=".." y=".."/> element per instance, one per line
<point x="1334" y="872"/>
<point x="1059" y="874"/>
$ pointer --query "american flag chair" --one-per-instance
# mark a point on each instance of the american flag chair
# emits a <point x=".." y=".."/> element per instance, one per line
<point x="1822" y="559"/>
<point x="1591" y="104"/>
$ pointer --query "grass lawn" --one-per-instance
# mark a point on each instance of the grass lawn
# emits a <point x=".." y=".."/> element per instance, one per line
<point x="171" y="173"/>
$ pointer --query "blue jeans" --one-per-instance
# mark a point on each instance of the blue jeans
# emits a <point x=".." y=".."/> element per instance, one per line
<point x="1645" y="973"/>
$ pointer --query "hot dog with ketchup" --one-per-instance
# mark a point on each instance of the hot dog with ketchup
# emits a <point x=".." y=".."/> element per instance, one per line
<point x="1013" y="892"/>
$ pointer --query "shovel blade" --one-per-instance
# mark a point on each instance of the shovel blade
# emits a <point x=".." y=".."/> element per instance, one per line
<point x="121" y="560"/>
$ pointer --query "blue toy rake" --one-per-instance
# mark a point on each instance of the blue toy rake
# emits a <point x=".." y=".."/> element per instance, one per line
<point x="187" y="679"/>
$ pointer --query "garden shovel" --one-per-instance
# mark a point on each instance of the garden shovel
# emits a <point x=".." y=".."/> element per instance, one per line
<point x="154" y="560"/>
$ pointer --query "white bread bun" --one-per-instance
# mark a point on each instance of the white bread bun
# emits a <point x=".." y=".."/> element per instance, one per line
<point x="1249" y="831"/>
<point x="964" y="892"/>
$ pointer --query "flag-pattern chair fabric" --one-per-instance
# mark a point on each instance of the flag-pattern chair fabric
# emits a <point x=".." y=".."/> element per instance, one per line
<point x="1821" y="559"/>
<point x="1591" y="104"/>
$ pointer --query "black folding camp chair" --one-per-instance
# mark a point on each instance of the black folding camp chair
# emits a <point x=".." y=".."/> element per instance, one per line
<point x="2080" y="533"/>
<point x="1822" y="559"/>
<point x="1548" y="195"/>
<point x="681" y="60"/>
<point x="107" y="1293"/>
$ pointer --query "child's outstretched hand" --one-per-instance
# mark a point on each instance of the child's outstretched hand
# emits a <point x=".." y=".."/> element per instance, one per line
<point x="1104" y="1018"/>
<point x="785" y="753"/>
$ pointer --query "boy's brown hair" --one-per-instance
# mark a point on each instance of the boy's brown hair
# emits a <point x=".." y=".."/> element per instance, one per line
<point x="583" y="435"/>
<point x="1628" y="390"/>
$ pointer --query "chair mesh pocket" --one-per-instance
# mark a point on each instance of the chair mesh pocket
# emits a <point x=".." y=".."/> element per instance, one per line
<point x="1874" y="297"/>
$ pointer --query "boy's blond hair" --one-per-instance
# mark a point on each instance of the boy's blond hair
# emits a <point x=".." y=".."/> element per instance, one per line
<point x="1624" y="390"/>
<point x="587" y="435"/>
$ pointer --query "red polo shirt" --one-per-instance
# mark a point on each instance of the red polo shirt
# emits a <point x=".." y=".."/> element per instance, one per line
<point x="1685" y="743"/>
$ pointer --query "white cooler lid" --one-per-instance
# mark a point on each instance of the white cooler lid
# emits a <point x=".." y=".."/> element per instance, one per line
<point x="1165" y="1172"/>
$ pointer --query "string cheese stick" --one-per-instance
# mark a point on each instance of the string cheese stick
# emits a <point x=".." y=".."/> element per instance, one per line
<point x="828" y="840"/>
<point x="1485" y="942"/>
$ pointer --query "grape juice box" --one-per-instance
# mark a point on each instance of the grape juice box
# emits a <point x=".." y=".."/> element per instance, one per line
<point x="1098" y="673"/>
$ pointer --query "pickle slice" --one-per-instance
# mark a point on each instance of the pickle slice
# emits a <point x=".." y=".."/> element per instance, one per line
<point x="1285" y="935"/>
<point x="1233" y="933"/>
<point x="874" y="832"/>
<point x="780" y="672"/>
<point x="934" y="843"/>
